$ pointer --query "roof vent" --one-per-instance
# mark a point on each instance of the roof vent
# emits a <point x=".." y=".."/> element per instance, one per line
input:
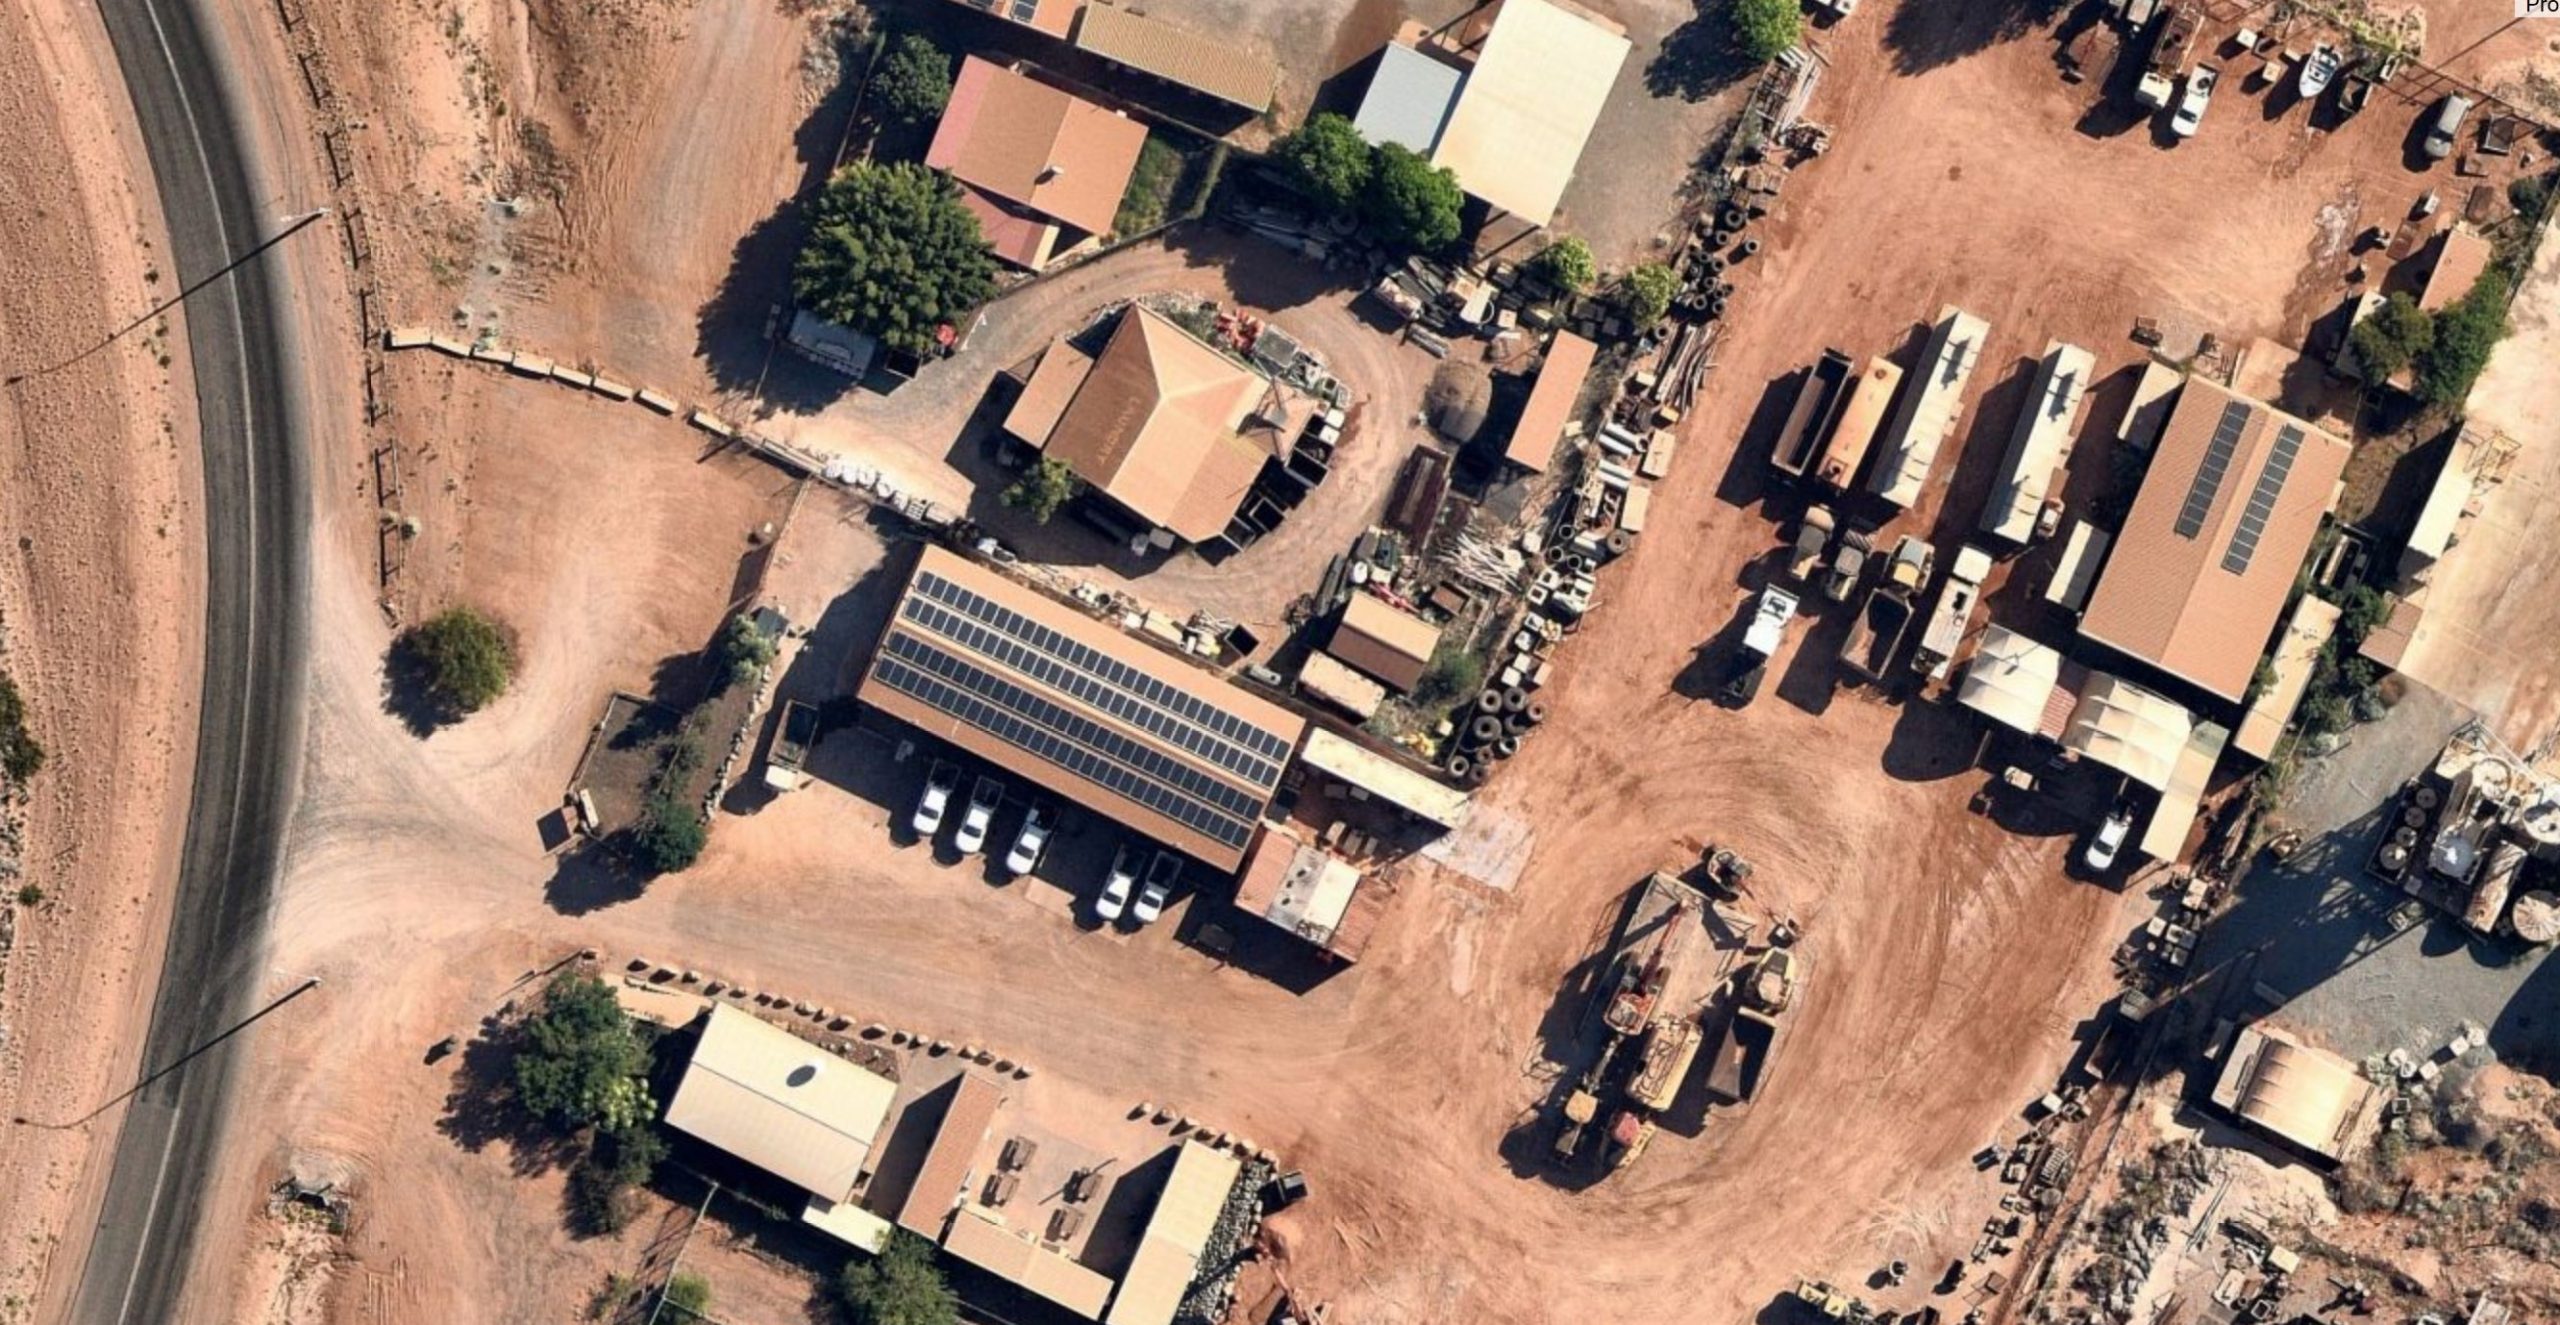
<point x="802" y="1075"/>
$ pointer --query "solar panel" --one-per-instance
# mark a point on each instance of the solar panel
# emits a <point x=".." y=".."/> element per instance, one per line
<point x="2217" y="462"/>
<point x="2262" y="501"/>
<point x="1031" y="722"/>
<point x="1148" y="703"/>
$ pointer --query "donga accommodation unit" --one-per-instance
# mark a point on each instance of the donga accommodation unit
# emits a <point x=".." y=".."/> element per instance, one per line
<point x="1043" y="169"/>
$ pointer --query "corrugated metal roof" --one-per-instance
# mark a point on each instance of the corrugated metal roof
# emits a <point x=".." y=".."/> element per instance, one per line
<point x="2432" y="536"/>
<point x="2461" y="256"/>
<point x="2305" y="1096"/>
<point x="1039" y="146"/>
<point x="1388" y="643"/>
<point x="943" y="1181"/>
<point x="981" y="1238"/>
<point x="1930" y="406"/>
<point x="1560" y="378"/>
<point x="1326" y="678"/>
<point x="2009" y="679"/>
<point x="1527" y="108"/>
<point x="1050" y="17"/>
<point x="1169" y="1251"/>
<point x="2041" y="443"/>
<point x="780" y="1103"/>
<point x="1415" y="793"/>
<point x="2169" y="598"/>
<point x="2165" y="835"/>
<point x="847" y="1222"/>
<point x="1196" y="60"/>
<point x="2313" y="621"/>
<point x="1409" y="99"/>
<point x="2135" y="731"/>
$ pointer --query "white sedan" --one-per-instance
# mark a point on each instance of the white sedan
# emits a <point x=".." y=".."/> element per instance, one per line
<point x="2107" y="841"/>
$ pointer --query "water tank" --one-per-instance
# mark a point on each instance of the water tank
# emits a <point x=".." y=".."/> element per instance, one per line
<point x="2394" y="857"/>
<point x="2414" y="817"/>
<point x="2453" y="856"/>
<point x="2426" y="798"/>
<point x="2536" y="917"/>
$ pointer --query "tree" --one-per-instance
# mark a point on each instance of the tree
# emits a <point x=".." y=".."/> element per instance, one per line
<point x="465" y="656"/>
<point x="689" y="1294"/>
<point x="2465" y="333"/>
<point x="670" y="834"/>
<point x="1567" y="264"/>
<point x="581" y="1063"/>
<point x="2392" y="338"/>
<point x="1044" y="488"/>
<point x="1328" y="161"/>
<point x="900" y="1286"/>
<point x="746" y="649"/>
<point x="1455" y="673"/>
<point x="913" y="82"/>
<point x="20" y="756"/>
<point x="893" y="252"/>
<point x="1766" y="29"/>
<point x="1412" y="203"/>
<point x="1646" y="293"/>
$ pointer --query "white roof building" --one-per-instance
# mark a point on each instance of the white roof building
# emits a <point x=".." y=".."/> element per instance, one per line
<point x="1931" y="401"/>
<point x="781" y="1103"/>
<point x="2041" y="443"/>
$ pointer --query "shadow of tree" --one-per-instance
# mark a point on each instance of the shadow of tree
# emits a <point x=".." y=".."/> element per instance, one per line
<point x="594" y="877"/>
<point x="481" y="1108"/>
<point x="1923" y="36"/>
<point x="1699" y="58"/>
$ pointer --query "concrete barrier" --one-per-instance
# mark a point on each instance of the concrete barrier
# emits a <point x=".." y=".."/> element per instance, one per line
<point x="568" y="376"/>
<point x="662" y="403"/>
<point x="529" y="365"/>
<point x="448" y="345"/>
<point x="493" y="354"/>
<point x="606" y="386"/>
<point x="712" y="424"/>
<point x="406" y="338"/>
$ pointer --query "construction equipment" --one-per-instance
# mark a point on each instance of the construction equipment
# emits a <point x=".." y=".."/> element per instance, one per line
<point x="792" y="736"/>
<point x="1629" y="1133"/>
<point x="1957" y="601"/>
<point x="1878" y="628"/>
<point x="1770" y="984"/>
<point x="1724" y="871"/>
<point x="1817" y="405"/>
<point x="1670" y="1048"/>
<point x="1811" y="535"/>
<point x="1639" y="986"/>
<point x="1848" y="560"/>
<point x="1741" y="1054"/>
<point x="2169" y="48"/>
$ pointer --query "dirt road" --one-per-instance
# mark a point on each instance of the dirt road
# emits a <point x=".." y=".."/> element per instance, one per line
<point x="100" y="616"/>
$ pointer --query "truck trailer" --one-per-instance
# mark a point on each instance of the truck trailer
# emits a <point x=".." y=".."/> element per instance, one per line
<point x="1817" y="404"/>
<point x="1878" y="628"/>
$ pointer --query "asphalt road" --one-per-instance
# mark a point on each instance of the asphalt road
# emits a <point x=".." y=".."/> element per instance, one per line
<point x="257" y="520"/>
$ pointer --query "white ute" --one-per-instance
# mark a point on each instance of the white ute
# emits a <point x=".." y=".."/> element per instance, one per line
<point x="984" y="797"/>
<point x="938" y="786"/>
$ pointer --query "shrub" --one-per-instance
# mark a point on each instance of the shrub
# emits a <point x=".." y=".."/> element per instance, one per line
<point x="1410" y="202"/>
<point x="30" y="894"/>
<point x="2392" y="338"/>
<point x="1327" y="160"/>
<point x="1044" y="488"/>
<point x="892" y="252"/>
<point x="466" y="658"/>
<point x="689" y="1293"/>
<point x="669" y="836"/>
<point x="900" y="1286"/>
<point x="20" y="756"/>
<point x="1567" y="264"/>
<point x="1765" y="29"/>
<point x="581" y="1062"/>
<point x="2465" y="333"/>
<point x="1455" y="672"/>
<point x="913" y="82"/>
<point x="1150" y="191"/>
<point x="746" y="649"/>
<point x="1647" y="291"/>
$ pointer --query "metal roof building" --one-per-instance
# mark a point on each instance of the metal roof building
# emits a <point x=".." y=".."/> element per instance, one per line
<point x="1930" y="404"/>
<point x="1551" y="401"/>
<point x="2134" y="731"/>
<point x="1048" y="17"/>
<point x="1366" y="771"/>
<point x="2041" y="443"/>
<point x="1384" y="640"/>
<point x="1106" y="721"/>
<point x="1169" y="1251"/>
<point x="981" y="1237"/>
<point x="943" y="1182"/>
<point x="780" y="1103"/>
<point x="2306" y="1097"/>
<point x="1542" y="73"/>
<point x="2207" y="556"/>
<point x="1409" y="99"/>
<point x="2297" y="650"/>
<point x="2010" y="679"/>
<point x="1200" y="61"/>
<point x="1033" y="160"/>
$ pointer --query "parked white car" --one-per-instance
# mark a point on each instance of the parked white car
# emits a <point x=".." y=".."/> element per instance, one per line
<point x="2105" y="843"/>
<point x="2191" y="107"/>
<point x="1162" y="872"/>
<point x="1113" y="901"/>
<point x="984" y="797"/>
<point x="1032" y="842"/>
<point x="938" y="786"/>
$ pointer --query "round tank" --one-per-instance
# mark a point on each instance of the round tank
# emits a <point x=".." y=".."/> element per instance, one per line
<point x="2404" y="837"/>
<point x="2394" y="856"/>
<point x="2536" y="917"/>
<point x="2426" y="798"/>
<point x="2414" y="817"/>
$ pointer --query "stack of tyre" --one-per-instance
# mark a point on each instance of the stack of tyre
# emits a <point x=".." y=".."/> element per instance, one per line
<point x="1490" y="731"/>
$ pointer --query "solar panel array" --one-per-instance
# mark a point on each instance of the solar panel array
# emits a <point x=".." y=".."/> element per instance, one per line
<point x="2262" y="500"/>
<point x="2217" y="462"/>
<point x="1031" y="722"/>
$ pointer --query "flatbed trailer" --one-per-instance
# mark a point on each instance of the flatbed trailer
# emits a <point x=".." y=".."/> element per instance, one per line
<point x="1817" y="406"/>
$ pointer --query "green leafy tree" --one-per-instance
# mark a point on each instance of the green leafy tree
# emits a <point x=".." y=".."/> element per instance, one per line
<point x="689" y="1294"/>
<point x="1327" y="159"/>
<point x="2465" y="333"/>
<point x="1766" y="29"/>
<point x="1412" y="203"/>
<point x="20" y="756"/>
<point x="670" y="834"/>
<point x="746" y="649"/>
<point x="1568" y="264"/>
<point x="1646" y="292"/>
<point x="894" y="253"/>
<point x="2392" y="338"/>
<point x="900" y="1286"/>
<point x="1044" y="488"/>
<point x="581" y="1063"/>
<point x="1455" y="673"/>
<point x="466" y="659"/>
<point x="913" y="82"/>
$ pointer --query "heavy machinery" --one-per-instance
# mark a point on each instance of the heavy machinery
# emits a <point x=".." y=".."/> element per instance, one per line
<point x="1878" y="628"/>
<point x="1640" y="985"/>
<point x="1724" y="871"/>
<point x="1812" y="534"/>
<point x="1670" y="1048"/>
<point x="1760" y="642"/>
<point x="1762" y="992"/>
<point x="1771" y="984"/>
<point x="1848" y="560"/>
<point x="2169" y="49"/>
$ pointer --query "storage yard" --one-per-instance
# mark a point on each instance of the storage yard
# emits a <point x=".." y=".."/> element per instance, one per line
<point x="1470" y="794"/>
